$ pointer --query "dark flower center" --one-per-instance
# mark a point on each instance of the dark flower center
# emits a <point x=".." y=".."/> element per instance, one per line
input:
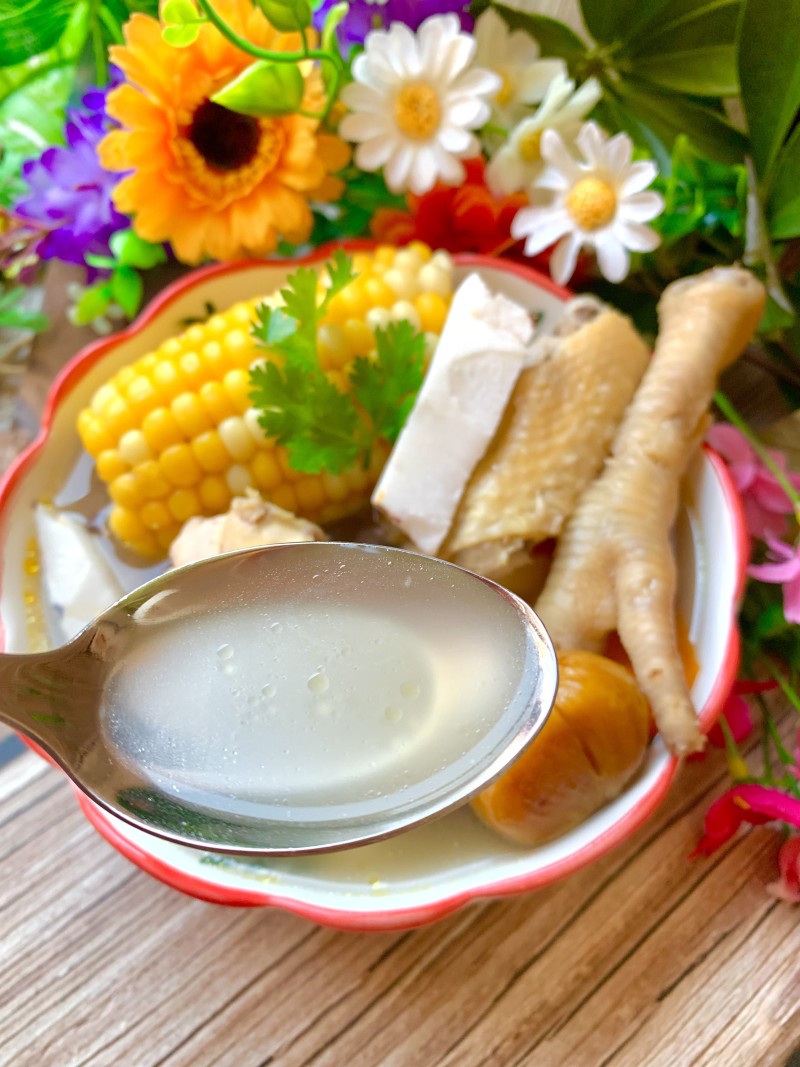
<point x="225" y="140"/>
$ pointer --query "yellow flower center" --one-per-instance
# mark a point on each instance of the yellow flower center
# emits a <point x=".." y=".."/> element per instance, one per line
<point x="417" y="111"/>
<point x="226" y="154"/>
<point x="506" y="91"/>
<point x="592" y="203"/>
<point x="529" y="146"/>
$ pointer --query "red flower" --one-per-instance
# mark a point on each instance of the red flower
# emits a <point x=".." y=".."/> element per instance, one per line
<point x="756" y="804"/>
<point x="788" y="885"/>
<point x="736" y="712"/>
<point x="466" y="218"/>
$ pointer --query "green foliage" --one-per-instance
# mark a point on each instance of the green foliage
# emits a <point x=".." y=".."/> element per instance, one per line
<point x="182" y="22"/>
<point x="323" y="428"/>
<point x="364" y="194"/>
<point x="122" y="285"/>
<point x="264" y="89"/>
<point x="287" y="15"/>
<point x="15" y="317"/>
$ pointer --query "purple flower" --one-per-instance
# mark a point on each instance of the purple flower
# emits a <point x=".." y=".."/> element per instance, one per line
<point x="366" y="15"/>
<point x="70" y="193"/>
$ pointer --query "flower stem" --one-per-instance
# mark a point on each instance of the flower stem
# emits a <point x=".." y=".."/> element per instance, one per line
<point x="733" y="416"/>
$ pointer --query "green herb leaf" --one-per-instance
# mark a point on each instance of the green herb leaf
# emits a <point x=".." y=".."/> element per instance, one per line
<point x="322" y="428"/>
<point x="387" y="386"/>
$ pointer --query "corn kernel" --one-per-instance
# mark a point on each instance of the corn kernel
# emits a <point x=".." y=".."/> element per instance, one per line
<point x="194" y="336"/>
<point x="156" y="515"/>
<point x="180" y="466"/>
<point x="404" y="311"/>
<point x="191" y="367"/>
<point x="119" y="418"/>
<point x="216" y="401"/>
<point x="210" y="452"/>
<point x="165" y="537"/>
<point x="404" y="283"/>
<point x="407" y="260"/>
<point x="378" y="318"/>
<point x="239" y="479"/>
<point x="422" y="250"/>
<point x="379" y="294"/>
<point x="126" y="525"/>
<point x="335" y="486"/>
<point x="266" y="471"/>
<point x="151" y="480"/>
<point x="141" y="394"/>
<point x="171" y="348"/>
<point x="239" y="348"/>
<point x="110" y="465"/>
<point x="167" y="380"/>
<point x="289" y="473"/>
<point x="434" y="278"/>
<point x="124" y="378"/>
<point x="184" y="504"/>
<point x="385" y="254"/>
<point x="310" y="494"/>
<point x="126" y="491"/>
<point x="133" y="448"/>
<point x="285" y="497"/>
<point x="360" y="338"/>
<point x="215" y="496"/>
<point x="102" y="396"/>
<point x="432" y="311"/>
<point x="190" y="414"/>
<point x="236" y="438"/>
<point x="254" y="428"/>
<point x="237" y="386"/>
<point x="161" y="430"/>
<point x="214" y="360"/>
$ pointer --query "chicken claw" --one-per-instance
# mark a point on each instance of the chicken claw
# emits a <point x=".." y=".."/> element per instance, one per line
<point x="614" y="567"/>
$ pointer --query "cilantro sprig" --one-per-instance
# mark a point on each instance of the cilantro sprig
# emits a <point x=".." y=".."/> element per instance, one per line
<point x="323" y="428"/>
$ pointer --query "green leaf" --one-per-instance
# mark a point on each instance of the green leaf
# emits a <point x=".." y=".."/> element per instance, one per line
<point x="273" y="326"/>
<point x="126" y="289"/>
<point x="178" y="12"/>
<point x="181" y="36"/>
<point x="386" y="386"/>
<point x="686" y="24"/>
<point x="14" y="317"/>
<point x="28" y="28"/>
<point x="610" y="21"/>
<point x="287" y="15"/>
<point x="708" y="71"/>
<point x="669" y="115"/>
<point x="783" y="206"/>
<point x="264" y="89"/>
<point x="328" y="42"/>
<point x="554" y="38"/>
<point x="130" y="250"/>
<point x="92" y="304"/>
<point x="769" y="74"/>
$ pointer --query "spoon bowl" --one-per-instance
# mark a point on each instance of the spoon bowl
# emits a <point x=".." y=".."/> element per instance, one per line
<point x="295" y="698"/>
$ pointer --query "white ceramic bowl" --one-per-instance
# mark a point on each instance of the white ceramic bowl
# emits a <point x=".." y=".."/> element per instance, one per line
<point x="429" y="872"/>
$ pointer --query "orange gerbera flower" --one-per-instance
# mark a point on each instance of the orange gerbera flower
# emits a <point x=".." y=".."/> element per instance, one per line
<point x="213" y="183"/>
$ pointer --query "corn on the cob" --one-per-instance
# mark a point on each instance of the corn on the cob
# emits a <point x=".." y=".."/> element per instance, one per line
<point x="173" y="435"/>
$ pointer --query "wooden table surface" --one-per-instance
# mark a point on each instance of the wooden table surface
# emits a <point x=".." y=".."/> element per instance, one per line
<point x="644" y="959"/>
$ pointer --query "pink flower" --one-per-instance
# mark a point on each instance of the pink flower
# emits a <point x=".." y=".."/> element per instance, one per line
<point x="765" y="502"/>
<point x="785" y="568"/>
<point x="736" y="712"/>
<point x="754" y="804"/>
<point x="788" y="885"/>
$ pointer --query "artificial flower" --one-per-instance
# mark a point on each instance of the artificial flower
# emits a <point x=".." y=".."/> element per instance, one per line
<point x="366" y="15"/>
<point x="599" y="202"/>
<point x="752" y="803"/>
<point x="70" y="193"/>
<point x="466" y="218"/>
<point x="783" y="569"/>
<point x="737" y="715"/>
<point x="518" y="162"/>
<point x="788" y="885"/>
<point x="764" y="499"/>
<point x="413" y="103"/>
<point x="212" y="182"/>
<point x="513" y="55"/>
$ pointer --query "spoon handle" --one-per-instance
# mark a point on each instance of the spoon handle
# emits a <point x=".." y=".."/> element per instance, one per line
<point x="40" y="697"/>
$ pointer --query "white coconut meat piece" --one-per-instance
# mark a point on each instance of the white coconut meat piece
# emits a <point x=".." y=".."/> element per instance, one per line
<point x="77" y="577"/>
<point x="476" y="364"/>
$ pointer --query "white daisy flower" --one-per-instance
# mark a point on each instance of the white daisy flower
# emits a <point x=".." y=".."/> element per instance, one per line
<point x="514" y="56"/>
<point x="413" y="102"/>
<point x="519" y="161"/>
<point x="599" y="201"/>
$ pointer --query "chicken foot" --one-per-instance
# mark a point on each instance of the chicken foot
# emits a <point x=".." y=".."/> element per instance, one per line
<point x="614" y="567"/>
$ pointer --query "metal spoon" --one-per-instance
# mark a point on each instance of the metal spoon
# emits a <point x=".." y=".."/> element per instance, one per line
<point x="295" y="698"/>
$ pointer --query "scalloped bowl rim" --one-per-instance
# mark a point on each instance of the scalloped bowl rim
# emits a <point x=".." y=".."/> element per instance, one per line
<point x="398" y="915"/>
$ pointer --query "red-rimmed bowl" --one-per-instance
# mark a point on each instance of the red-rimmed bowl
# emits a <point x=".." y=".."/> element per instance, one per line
<point x="429" y="872"/>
